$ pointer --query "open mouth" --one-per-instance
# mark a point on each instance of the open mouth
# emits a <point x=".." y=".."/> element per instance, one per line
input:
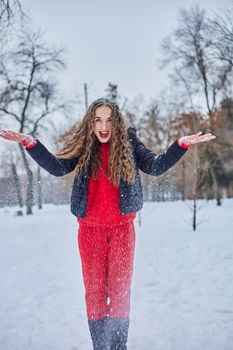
<point x="104" y="134"/>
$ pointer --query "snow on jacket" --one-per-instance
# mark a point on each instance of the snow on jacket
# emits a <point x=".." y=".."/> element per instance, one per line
<point x="131" y="196"/>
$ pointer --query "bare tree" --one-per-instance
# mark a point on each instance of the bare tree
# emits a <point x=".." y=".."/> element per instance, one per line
<point x="112" y="94"/>
<point x="30" y="93"/>
<point x="194" y="167"/>
<point x="152" y="125"/>
<point x="11" y="11"/>
<point x="153" y="134"/>
<point x="10" y="163"/>
<point x="221" y="29"/>
<point x="190" y="52"/>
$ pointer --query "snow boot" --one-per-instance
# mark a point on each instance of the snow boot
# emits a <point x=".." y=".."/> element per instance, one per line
<point x="98" y="333"/>
<point x="118" y="332"/>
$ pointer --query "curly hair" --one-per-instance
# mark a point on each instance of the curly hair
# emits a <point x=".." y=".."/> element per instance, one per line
<point x="85" y="145"/>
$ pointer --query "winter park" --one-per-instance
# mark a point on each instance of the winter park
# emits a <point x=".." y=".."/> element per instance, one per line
<point x="116" y="175"/>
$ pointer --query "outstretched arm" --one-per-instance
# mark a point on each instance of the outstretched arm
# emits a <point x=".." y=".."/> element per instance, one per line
<point x="45" y="159"/>
<point x="153" y="164"/>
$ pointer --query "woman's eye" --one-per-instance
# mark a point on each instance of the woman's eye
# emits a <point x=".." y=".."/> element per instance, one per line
<point x="98" y="120"/>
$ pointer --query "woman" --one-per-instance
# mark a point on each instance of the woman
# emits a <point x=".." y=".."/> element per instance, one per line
<point x="106" y="194"/>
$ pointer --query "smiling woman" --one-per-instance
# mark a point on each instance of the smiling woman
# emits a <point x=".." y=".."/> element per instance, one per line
<point x="106" y="194"/>
<point x="103" y="123"/>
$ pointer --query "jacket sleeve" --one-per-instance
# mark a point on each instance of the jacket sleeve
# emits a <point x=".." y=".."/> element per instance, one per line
<point x="53" y="165"/>
<point x="153" y="164"/>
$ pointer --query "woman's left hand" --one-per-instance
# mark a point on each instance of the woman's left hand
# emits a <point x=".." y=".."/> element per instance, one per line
<point x="197" y="138"/>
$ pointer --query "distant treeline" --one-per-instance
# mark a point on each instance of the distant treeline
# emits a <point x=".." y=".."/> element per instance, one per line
<point x="198" y="55"/>
<point x="190" y="177"/>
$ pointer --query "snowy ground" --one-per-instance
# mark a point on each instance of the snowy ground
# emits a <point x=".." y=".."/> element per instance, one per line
<point x="182" y="291"/>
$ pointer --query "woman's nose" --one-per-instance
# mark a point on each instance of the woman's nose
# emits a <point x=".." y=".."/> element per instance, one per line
<point x="104" y="125"/>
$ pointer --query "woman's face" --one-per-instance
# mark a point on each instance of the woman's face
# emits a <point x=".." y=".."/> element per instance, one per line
<point x="103" y="123"/>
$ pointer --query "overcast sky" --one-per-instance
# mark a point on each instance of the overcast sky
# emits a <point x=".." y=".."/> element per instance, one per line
<point x="112" y="40"/>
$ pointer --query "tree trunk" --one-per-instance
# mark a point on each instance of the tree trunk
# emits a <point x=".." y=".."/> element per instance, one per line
<point x="195" y="189"/>
<point x="183" y="189"/>
<point x="17" y="185"/>
<point x="194" y="214"/>
<point x="30" y="192"/>
<point x="39" y="189"/>
<point x="212" y="161"/>
<point x="216" y="189"/>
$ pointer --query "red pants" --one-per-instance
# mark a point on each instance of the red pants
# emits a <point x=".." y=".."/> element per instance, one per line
<point x="107" y="264"/>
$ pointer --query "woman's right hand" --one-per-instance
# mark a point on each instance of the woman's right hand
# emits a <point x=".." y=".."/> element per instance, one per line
<point x="13" y="136"/>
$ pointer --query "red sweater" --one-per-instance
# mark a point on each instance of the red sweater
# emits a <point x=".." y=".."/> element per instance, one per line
<point x="103" y="204"/>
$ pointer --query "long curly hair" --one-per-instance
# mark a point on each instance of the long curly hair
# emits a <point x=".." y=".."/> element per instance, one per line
<point x="85" y="145"/>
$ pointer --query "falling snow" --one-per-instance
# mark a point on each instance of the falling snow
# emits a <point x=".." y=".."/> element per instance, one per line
<point x="181" y="292"/>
